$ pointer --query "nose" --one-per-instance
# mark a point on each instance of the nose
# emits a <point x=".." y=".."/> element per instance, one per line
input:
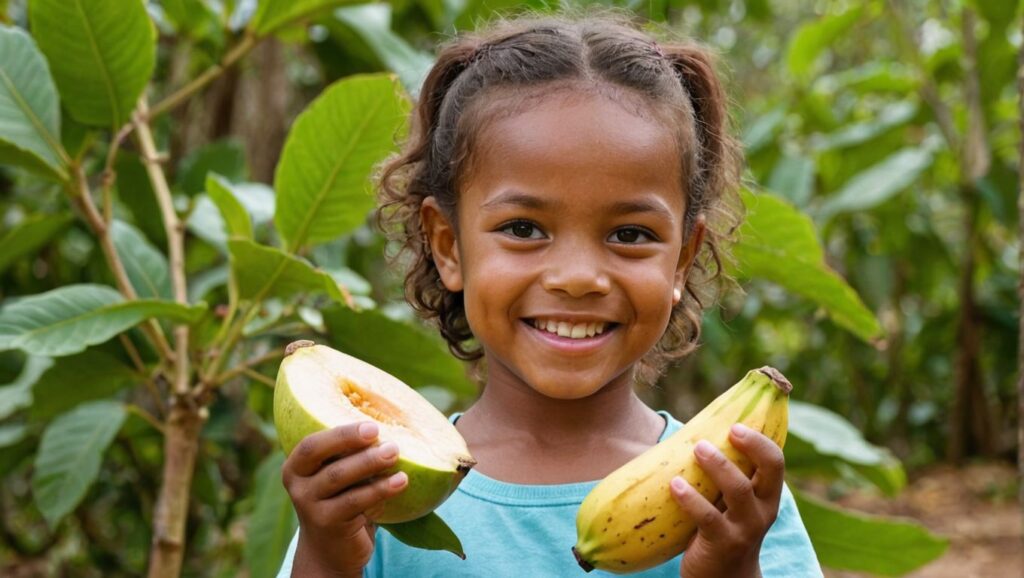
<point x="576" y="269"/>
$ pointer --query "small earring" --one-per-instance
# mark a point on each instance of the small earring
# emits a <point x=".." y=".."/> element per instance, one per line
<point x="677" y="295"/>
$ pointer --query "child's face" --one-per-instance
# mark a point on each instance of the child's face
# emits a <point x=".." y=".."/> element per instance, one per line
<point x="572" y="216"/>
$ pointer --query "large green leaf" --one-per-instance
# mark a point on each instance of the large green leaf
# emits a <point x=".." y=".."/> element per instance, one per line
<point x="146" y="267"/>
<point x="70" y="455"/>
<point x="102" y="53"/>
<point x="812" y="38"/>
<point x="263" y="272"/>
<point x="322" y="180"/>
<point x="70" y="381"/>
<point x="273" y="520"/>
<point x="236" y="219"/>
<point x="17" y="395"/>
<point x="891" y="116"/>
<point x="29" y="235"/>
<point x="407" y="352"/>
<point x="879" y="183"/>
<point x="848" y="540"/>
<point x="372" y="22"/>
<point x="65" y="321"/>
<point x="823" y="441"/>
<point x="29" y="107"/>
<point x="273" y="15"/>
<point x="779" y="244"/>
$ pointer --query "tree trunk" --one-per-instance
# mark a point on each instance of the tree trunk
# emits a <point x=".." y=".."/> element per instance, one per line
<point x="1020" y="287"/>
<point x="181" y="444"/>
<point x="264" y="104"/>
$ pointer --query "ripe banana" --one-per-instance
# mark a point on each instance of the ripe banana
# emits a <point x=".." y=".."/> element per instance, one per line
<point x="629" y="522"/>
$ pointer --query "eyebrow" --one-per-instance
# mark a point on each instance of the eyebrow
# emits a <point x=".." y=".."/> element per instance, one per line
<point x="520" y="199"/>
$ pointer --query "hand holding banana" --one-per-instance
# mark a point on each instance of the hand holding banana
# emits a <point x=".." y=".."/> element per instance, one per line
<point x="664" y="501"/>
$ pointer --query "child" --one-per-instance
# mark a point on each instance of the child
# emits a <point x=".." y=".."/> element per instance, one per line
<point x="566" y="188"/>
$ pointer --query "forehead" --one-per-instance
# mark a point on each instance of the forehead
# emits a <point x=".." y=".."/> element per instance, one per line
<point x="580" y="144"/>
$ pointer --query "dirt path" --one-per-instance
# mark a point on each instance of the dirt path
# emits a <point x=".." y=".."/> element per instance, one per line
<point x="975" y="507"/>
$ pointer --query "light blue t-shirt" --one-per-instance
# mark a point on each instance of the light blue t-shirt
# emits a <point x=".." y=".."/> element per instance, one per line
<point x="517" y="530"/>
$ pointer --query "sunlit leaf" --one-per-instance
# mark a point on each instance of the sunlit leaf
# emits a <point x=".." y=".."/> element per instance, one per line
<point x="65" y="321"/>
<point x="779" y="244"/>
<point x="263" y="272"/>
<point x="812" y="38"/>
<point x="102" y="54"/>
<point x="878" y="183"/>
<point x="323" y="178"/>
<point x="849" y="540"/>
<point x="235" y="216"/>
<point x="275" y="14"/>
<point x="372" y="22"/>
<point x="29" y="107"/>
<point x="70" y="455"/>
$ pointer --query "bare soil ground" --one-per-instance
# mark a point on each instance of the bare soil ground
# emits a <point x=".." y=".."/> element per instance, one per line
<point x="974" y="506"/>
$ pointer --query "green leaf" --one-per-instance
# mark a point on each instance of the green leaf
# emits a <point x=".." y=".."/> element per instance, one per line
<point x="17" y="395"/>
<point x="207" y="220"/>
<point x="70" y="455"/>
<point x="848" y="540"/>
<point x="812" y="38"/>
<point x="429" y="533"/>
<point x="372" y="23"/>
<point x="273" y="15"/>
<point x="793" y="178"/>
<point x="273" y="520"/>
<point x="779" y="244"/>
<point x="29" y="107"/>
<point x="136" y="192"/>
<point x="819" y="439"/>
<point x="146" y="267"/>
<point x="70" y="381"/>
<point x="235" y="216"/>
<point x="322" y="180"/>
<point x="891" y="116"/>
<point x="28" y="236"/>
<point x="377" y="339"/>
<point x="763" y="129"/>
<point x="879" y="183"/>
<point x="102" y="54"/>
<point x="263" y="272"/>
<point x="65" y="321"/>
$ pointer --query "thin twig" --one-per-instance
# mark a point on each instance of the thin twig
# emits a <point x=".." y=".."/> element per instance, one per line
<point x="157" y="424"/>
<point x="109" y="175"/>
<point x="175" y="242"/>
<point x="184" y="93"/>
<point x="83" y="198"/>
<point x="255" y="362"/>
<point x="133" y="353"/>
<point x="256" y="376"/>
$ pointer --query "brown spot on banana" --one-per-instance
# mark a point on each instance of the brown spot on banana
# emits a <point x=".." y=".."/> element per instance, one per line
<point x="644" y="522"/>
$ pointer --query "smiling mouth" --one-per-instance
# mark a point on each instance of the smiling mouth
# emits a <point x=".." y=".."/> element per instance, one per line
<point x="570" y="329"/>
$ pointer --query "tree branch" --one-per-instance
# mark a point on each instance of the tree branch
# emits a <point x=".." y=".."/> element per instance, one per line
<point x="248" y="365"/>
<point x="82" y="197"/>
<point x="182" y="94"/>
<point x="175" y="242"/>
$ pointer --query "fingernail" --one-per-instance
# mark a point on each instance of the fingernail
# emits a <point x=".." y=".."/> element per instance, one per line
<point x="388" y="450"/>
<point x="368" y="430"/>
<point x="679" y="485"/>
<point x="704" y="449"/>
<point x="739" y="430"/>
<point x="398" y="480"/>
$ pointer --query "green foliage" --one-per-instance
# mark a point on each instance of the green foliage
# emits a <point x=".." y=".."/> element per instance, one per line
<point x="29" y="236"/>
<point x="852" y="541"/>
<point x="273" y="520"/>
<point x="429" y="532"/>
<point x="70" y="454"/>
<point x="102" y="54"/>
<point x="322" y="179"/>
<point x="29" y="107"/>
<point x="273" y="15"/>
<point x="264" y="272"/>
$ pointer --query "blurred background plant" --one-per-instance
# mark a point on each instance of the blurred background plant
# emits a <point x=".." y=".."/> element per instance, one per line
<point x="879" y="263"/>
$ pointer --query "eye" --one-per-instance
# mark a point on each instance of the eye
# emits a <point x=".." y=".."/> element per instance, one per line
<point x="632" y="236"/>
<point x="522" y="230"/>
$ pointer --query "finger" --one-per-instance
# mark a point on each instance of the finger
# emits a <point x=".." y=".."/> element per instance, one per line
<point x="315" y="449"/>
<point x="348" y="471"/>
<point x="354" y="502"/>
<point x="710" y="522"/>
<point x="737" y="490"/>
<point x="767" y="457"/>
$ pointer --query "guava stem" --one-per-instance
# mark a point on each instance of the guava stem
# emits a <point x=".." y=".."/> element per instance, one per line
<point x="778" y="379"/>
<point x="296" y="345"/>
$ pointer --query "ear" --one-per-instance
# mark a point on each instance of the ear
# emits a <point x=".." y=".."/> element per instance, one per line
<point x="687" y="256"/>
<point x="444" y="246"/>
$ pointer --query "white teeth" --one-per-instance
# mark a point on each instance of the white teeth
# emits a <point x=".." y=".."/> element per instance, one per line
<point x="570" y="330"/>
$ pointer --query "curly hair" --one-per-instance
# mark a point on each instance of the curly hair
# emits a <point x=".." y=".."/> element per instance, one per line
<point x="496" y="72"/>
